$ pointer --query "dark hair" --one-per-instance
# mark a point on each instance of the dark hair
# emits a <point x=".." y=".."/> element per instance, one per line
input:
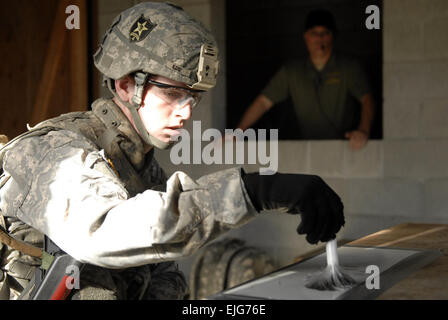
<point x="322" y="18"/>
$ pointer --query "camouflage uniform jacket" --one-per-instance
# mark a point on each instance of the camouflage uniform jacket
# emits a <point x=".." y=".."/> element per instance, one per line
<point x="62" y="184"/>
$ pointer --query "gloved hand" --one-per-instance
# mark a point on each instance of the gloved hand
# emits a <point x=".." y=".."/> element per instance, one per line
<point x="320" y="207"/>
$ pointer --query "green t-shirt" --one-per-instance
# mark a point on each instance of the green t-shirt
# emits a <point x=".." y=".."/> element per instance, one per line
<point x="325" y="101"/>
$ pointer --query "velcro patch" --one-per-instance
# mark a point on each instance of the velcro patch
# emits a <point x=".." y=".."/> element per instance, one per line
<point x="140" y="29"/>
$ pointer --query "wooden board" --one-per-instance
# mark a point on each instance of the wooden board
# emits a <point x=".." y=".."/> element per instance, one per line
<point x="412" y="259"/>
<point x="45" y="69"/>
<point x="430" y="282"/>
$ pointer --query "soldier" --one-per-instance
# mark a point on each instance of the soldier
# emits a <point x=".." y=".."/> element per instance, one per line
<point x="89" y="182"/>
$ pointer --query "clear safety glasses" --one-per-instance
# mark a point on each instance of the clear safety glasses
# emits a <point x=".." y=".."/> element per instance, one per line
<point x="177" y="97"/>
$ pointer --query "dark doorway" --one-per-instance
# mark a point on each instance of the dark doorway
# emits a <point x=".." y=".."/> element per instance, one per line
<point x="262" y="34"/>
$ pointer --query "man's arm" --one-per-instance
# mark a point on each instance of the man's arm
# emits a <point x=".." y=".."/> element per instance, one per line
<point x="259" y="107"/>
<point x="367" y="114"/>
<point x="3" y="140"/>
<point x="275" y="91"/>
<point x="62" y="186"/>
<point x="358" y="138"/>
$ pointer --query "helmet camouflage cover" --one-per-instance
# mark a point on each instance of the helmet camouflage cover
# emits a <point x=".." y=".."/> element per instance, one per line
<point x="160" y="39"/>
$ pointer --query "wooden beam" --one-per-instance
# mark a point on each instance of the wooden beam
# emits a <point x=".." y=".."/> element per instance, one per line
<point x="78" y="61"/>
<point x="429" y="282"/>
<point x="53" y="59"/>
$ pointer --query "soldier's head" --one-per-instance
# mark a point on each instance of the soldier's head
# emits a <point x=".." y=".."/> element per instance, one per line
<point x="320" y="29"/>
<point x="157" y="61"/>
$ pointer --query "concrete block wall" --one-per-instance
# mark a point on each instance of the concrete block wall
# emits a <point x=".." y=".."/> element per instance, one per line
<point x="416" y="104"/>
<point x="402" y="178"/>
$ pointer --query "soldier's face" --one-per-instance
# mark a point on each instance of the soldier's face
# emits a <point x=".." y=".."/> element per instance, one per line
<point x="162" y="119"/>
<point x="319" y="41"/>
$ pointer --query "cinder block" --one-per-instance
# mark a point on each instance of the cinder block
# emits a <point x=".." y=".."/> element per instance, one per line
<point x="436" y="8"/>
<point x="104" y="22"/>
<point x="366" y="162"/>
<point x="436" y="80"/>
<point x="200" y="10"/>
<point x="193" y="170"/>
<point x="266" y="156"/>
<point x="436" y="198"/>
<point x="405" y="80"/>
<point x="293" y="157"/>
<point x="436" y="39"/>
<point x="415" y="158"/>
<point x="435" y="119"/>
<point x="410" y="10"/>
<point x="401" y="197"/>
<point x="401" y="118"/>
<point x="218" y="23"/>
<point x="249" y="152"/>
<point x="403" y="41"/>
<point x="327" y="158"/>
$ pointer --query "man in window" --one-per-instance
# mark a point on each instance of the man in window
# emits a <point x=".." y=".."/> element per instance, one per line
<point x="323" y="87"/>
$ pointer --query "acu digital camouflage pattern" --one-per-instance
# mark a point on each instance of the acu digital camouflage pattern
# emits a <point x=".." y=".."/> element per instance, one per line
<point x="59" y="182"/>
<point x="3" y="140"/>
<point x="168" y="45"/>
<point x="225" y="264"/>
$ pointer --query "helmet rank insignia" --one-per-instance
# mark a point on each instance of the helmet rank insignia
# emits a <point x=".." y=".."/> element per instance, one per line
<point x="140" y="29"/>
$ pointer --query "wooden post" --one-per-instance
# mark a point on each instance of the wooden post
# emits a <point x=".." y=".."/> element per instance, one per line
<point x="53" y="59"/>
<point x="78" y="61"/>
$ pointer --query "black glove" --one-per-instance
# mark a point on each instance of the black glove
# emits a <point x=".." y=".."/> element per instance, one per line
<point x="320" y="207"/>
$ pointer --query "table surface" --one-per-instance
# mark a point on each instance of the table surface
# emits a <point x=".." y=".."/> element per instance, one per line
<point x="431" y="281"/>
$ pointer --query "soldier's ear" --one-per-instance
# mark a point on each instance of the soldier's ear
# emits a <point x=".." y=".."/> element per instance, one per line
<point x="125" y="88"/>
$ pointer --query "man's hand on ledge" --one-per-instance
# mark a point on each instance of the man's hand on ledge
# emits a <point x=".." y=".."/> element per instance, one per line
<point x="358" y="139"/>
<point x="3" y="140"/>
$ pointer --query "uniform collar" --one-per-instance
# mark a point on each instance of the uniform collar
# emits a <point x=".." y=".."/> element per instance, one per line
<point x="328" y="66"/>
<point x="112" y="116"/>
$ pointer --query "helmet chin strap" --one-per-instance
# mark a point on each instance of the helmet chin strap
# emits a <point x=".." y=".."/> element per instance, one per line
<point x="136" y="102"/>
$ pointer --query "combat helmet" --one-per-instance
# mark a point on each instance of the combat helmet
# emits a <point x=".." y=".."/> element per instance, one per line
<point x="154" y="38"/>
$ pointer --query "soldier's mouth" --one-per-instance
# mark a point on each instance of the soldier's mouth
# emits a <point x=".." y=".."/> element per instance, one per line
<point x="169" y="132"/>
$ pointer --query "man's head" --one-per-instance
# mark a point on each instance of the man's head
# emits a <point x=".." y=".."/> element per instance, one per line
<point x="166" y="105"/>
<point x="155" y="55"/>
<point x="320" y="29"/>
